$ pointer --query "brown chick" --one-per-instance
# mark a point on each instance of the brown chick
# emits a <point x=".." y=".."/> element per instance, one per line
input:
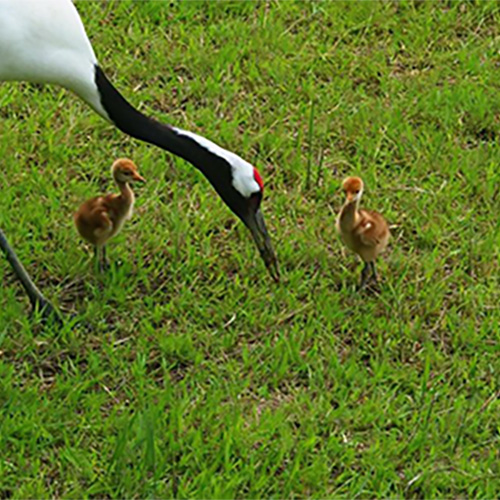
<point x="364" y="232"/>
<point x="100" y="218"/>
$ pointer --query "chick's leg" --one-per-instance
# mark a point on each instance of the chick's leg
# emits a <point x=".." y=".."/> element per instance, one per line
<point x="374" y="272"/>
<point x="105" y="261"/>
<point x="365" y="274"/>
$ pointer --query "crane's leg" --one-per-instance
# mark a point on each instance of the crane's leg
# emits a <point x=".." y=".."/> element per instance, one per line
<point x="38" y="301"/>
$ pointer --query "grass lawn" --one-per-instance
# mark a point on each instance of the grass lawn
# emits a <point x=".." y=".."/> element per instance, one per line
<point x="186" y="372"/>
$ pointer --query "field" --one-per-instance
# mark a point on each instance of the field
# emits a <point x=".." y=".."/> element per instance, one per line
<point x="185" y="371"/>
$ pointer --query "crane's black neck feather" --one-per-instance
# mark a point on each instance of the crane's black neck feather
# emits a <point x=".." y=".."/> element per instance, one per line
<point x="132" y="122"/>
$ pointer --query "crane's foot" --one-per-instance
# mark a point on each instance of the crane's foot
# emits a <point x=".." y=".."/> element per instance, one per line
<point x="48" y="313"/>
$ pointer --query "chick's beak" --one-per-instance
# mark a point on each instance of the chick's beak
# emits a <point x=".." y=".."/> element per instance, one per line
<point x="139" y="178"/>
<point x="257" y="226"/>
<point x="353" y="196"/>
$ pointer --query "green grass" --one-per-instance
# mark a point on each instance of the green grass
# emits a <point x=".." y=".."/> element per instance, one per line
<point x="186" y="372"/>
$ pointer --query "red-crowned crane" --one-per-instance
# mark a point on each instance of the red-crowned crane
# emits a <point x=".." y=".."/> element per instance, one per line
<point x="44" y="41"/>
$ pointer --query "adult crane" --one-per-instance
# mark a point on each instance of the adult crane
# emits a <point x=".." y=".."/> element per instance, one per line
<point x="44" y="41"/>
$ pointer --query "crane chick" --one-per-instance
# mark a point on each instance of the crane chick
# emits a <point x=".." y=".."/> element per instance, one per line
<point x="100" y="218"/>
<point x="364" y="232"/>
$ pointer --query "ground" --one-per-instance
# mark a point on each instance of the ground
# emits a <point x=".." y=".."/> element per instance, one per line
<point x="185" y="371"/>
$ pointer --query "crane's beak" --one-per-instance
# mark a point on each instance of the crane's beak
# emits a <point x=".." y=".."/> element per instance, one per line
<point x="257" y="226"/>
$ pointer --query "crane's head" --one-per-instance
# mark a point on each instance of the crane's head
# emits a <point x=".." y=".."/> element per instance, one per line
<point x="353" y="188"/>
<point x="125" y="171"/>
<point x="250" y="187"/>
<point x="236" y="181"/>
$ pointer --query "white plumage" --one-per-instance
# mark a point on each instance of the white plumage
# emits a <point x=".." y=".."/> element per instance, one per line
<point x="44" y="41"/>
<point x="243" y="172"/>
